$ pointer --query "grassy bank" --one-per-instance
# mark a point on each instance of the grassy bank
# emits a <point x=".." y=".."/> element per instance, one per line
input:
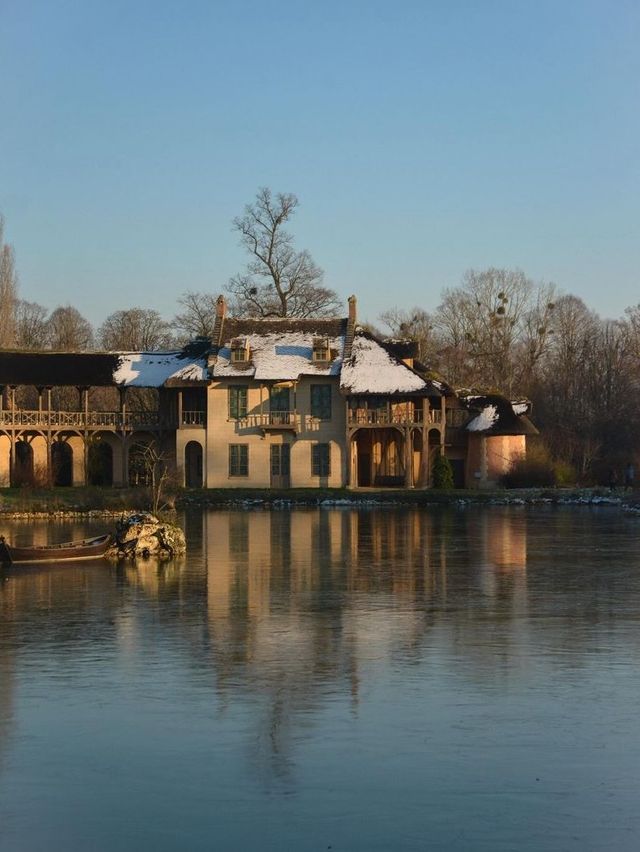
<point x="24" y="501"/>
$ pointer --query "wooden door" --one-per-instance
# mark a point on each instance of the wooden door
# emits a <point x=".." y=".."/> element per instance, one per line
<point x="280" y="466"/>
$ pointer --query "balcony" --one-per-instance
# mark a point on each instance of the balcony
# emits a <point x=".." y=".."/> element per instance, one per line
<point x="194" y="418"/>
<point x="116" y="420"/>
<point x="271" y="421"/>
<point x="393" y="417"/>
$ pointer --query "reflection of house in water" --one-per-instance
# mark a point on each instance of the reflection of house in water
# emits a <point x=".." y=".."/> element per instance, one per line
<point x="302" y="604"/>
<point x="7" y="687"/>
<point x="292" y="608"/>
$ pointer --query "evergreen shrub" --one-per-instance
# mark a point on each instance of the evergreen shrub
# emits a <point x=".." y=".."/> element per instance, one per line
<point x="442" y="472"/>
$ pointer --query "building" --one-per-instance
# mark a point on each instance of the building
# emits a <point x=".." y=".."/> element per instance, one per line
<point x="265" y="403"/>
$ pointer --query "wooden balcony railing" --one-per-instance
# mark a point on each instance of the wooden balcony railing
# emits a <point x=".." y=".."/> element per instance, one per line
<point x="391" y="417"/>
<point x="86" y="420"/>
<point x="272" y="420"/>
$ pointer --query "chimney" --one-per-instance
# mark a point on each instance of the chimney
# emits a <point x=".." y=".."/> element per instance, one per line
<point x="221" y="312"/>
<point x="351" y="328"/>
<point x="352" y="310"/>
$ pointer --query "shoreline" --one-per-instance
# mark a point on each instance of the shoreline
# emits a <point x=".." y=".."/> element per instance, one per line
<point x="18" y="504"/>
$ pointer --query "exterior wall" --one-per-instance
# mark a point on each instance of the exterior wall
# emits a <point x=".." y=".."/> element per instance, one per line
<point x="5" y="461"/>
<point x="223" y="431"/>
<point x="501" y="451"/>
<point x="76" y="443"/>
<point x="40" y="463"/>
<point x="488" y="458"/>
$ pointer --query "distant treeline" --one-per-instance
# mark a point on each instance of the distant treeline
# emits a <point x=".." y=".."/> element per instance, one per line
<point x="498" y="331"/>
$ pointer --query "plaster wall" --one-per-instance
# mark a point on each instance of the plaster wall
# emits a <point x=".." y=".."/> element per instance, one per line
<point x="222" y="431"/>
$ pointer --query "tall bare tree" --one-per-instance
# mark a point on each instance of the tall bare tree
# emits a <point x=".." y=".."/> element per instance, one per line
<point x="136" y="329"/>
<point x="8" y="292"/>
<point x="68" y="330"/>
<point x="278" y="281"/>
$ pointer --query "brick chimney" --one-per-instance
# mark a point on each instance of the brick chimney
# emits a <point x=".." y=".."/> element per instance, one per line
<point x="221" y="312"/>
<point x="351" y="327"/>
<point x="353" y="302"/>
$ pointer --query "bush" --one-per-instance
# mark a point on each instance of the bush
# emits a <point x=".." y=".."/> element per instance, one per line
<point x="565" y="473"/>
<point x="535" y="470"/>
<point x="442" y="472"/>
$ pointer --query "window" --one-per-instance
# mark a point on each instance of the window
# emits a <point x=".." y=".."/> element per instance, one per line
<point x="321" y="351"/>
<point x="320" y="460"/>
<point x="321" y="401"/>
<point x="237" y="402"/>
<point x="239" y="350"/>
<point x="238" y="459"/>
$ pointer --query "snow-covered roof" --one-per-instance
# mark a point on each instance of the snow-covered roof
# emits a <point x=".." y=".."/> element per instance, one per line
<point x="483" y="421"/>
<point x="496" y="415"/>
<point x="279" y="349"/>
<point x="281" y="356"/>
<point x="153" y="369"/>
<point x="372" y="369"/>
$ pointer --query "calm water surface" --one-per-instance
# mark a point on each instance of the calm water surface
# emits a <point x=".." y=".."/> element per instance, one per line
<point x="315" y="679"/>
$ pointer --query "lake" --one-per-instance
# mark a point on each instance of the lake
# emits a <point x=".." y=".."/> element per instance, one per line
<point x="314" y="679"/>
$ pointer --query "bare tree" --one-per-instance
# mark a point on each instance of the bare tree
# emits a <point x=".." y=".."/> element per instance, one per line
<point x="8" y="292"/>
<point x="68" y="330"/>
<point x="136" y="329"/>
<point x="279" y="281"/>
<point x="154" y="468"/>
<point x="31" y="325"/>
<point x="495" y="328"/>
<point x="415" y="325"/>
<point x="197" y="316"/>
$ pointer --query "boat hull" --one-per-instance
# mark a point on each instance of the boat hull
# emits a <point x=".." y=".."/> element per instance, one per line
<point x="71" y="551"/>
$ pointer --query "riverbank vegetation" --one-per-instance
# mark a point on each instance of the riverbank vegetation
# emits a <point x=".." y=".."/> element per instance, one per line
<point x="117" y="501"/>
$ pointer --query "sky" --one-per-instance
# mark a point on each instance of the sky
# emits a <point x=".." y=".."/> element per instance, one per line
<point x="422" y="139"/>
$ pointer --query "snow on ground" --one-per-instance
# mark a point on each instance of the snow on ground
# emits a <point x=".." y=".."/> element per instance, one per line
<point x="153" y="369"/>
<point x="372" y="370"/>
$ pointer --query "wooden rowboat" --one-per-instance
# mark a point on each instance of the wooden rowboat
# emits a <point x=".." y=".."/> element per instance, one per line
<point x="88" y="548"/>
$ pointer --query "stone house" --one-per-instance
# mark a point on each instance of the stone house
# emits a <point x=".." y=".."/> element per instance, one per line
<point x="278" y="403"/>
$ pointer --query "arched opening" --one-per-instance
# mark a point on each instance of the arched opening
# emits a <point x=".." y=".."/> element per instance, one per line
<point x="100" y="464"/>
<point x="141" y="460"/>
<point x="193" y="465"/>
<point x="380" y="458"/>
<point x="417" y="458"/>
<point x="434" y="449"/>
<point x="23" y="473"/>
<point x="61" y="464"/>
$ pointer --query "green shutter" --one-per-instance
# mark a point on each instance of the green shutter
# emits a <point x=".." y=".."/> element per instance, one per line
<point x="321" y="401"/>
<point x="237" y="402"/>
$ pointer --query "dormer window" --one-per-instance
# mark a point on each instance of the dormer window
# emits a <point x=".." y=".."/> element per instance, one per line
<point x="239" y="351"/>
<point x="321" y="350"/>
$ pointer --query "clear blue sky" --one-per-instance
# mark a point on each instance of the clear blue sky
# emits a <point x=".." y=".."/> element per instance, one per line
<point x="422" y="138"/>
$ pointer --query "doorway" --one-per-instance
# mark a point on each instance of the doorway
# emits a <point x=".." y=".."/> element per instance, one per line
<point x="280" y="465"/>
